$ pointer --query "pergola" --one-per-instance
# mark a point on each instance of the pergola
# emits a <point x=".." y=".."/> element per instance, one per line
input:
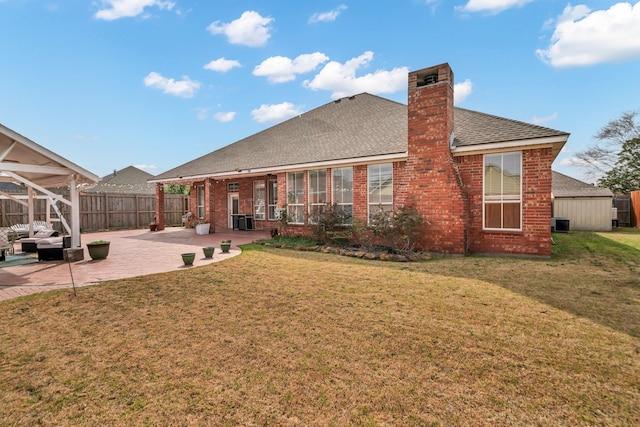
<point x="23" y="161"/>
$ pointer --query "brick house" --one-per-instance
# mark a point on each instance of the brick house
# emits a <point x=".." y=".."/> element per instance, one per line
<point x="482" y="182"/>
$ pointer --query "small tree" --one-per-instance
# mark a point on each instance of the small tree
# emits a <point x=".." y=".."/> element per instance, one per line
<point x="624" y="177"/>
<point x="283" y="220"/>
<point x="399" y="229"/>
<point x="614" y="140"/>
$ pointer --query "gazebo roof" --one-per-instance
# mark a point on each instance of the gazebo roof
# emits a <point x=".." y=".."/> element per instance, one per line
<point x="21" y="156"/>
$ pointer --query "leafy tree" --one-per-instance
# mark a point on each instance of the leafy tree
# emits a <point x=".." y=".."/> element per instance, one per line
<point x="624" y="177"/>
<point x="177" y="189"/>
<point x="612" y="158"/>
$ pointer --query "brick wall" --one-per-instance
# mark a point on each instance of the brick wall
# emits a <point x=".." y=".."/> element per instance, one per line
<point x="535" y="237"/>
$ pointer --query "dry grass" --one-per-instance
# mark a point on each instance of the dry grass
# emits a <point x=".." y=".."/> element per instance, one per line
<point x="279" y="337"/>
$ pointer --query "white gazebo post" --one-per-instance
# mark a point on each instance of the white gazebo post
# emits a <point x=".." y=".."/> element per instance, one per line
<point x="30" y="203"/>
<point x="75" y="212"/>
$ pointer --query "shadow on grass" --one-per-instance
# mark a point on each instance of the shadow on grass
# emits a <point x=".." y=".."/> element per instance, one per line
<point x="591" y="275"/>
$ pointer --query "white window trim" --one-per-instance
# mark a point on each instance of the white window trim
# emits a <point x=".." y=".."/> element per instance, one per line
<point x="296" y="205"/>
<point x="309" y="183"/>
<point x="256" y="215"/>
<point x="333" y="185"/>
<point x="268" y="198"/>
<point x="200" y="208"/>
<point x="502" y="200"/>
<point x="369" y="191"/>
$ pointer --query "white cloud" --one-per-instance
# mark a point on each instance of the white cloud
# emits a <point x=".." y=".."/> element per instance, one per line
<point x="250" y="29"/>
<point x="222" y="65"/>
<point x="203" y="113"/>
<point x="149" y="168"/>
<point x="280" y="69"/>
<point x="341" y="79"/>
<point x="275" y="112"/>
<point x="583" y="37"/>
<point x="462" y="90"/>
<point x="491" y="6"/>
<point x="116" y="9"/>
<point x="225" y="117"/>
<point x="541" y="120"/>
<point x="185" y="88"/>
<point x="330" y="16"/>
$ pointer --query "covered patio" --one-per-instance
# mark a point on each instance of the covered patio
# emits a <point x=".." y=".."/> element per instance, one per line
<point x="132" y="253"/>
<point x="22" y="161"/>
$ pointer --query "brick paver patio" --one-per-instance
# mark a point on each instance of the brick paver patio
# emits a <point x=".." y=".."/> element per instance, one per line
<point x="132" y="253"/>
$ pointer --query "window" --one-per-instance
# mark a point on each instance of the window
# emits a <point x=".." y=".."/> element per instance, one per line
<point x="342" y="182"/>
<point x="272" y="194"/>
<point x="258" y="199"/>
<point x="233" y="186"/>
<point x="380" y="189"/>
<point x="295" y="197"/>
<point x="200" y="200"/>
<point x="317" y="193"/>
<point x="502" y="191"/>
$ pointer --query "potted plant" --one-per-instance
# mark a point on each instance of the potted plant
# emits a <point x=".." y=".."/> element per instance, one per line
<point x="98" y="249"/>
<point x="208" y="251"/>
<point x="188" y="257"/>
<point x="202" y="226"/>
<point x="225" y="245"/>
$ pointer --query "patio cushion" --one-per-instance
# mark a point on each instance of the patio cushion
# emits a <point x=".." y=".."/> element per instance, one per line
<point x="50" y="242"/>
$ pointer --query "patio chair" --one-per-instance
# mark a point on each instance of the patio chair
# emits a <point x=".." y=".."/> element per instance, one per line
<point x="23" y="229"/>
<point x="6" y="242"/>
<point x="186" y="218"/>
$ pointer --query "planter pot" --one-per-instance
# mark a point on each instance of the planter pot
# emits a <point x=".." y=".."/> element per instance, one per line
<point x="225" y="246"/>
<point x="188" y="258"/>
<point x="98" y="250"/>
<point x="208" y="251"/>
<point x="202" y="228"/>
<point x="153" y="227"/>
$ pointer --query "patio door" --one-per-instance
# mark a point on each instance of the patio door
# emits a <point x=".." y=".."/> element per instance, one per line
<point x="233" y="206"/>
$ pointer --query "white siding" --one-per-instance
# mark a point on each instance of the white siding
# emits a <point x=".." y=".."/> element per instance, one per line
<point x="587" y="213"/>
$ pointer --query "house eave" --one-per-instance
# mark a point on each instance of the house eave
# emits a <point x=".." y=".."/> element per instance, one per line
<point x="242" y="173"/>
<point x="556" y="142"/>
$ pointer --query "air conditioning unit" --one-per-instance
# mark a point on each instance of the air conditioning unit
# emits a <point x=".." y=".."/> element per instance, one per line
<point x="560" y="225"/>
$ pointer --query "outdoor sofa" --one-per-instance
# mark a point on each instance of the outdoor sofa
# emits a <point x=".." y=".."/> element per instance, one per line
<point x="30" y="244"/>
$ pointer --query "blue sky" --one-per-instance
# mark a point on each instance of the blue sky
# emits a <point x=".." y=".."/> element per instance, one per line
<point x="156" y="83"/>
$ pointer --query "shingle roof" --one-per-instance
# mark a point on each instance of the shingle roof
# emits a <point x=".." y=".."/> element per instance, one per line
<point x="473" y="128"/>
<point x="565" y="186"/>
<point x="358" y="126"/>
<point x="10" y="187"/>
<point x="130" y="180"/>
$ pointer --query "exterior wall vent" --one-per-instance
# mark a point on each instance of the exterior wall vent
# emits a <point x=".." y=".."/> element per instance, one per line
<point x="429" y="79"/>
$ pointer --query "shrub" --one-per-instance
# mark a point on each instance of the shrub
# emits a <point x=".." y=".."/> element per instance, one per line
<point x="330" y="225"/>
<point x="399" y="229"/>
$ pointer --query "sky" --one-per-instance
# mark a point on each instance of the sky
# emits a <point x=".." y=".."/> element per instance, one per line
<point x="156" y="83"/>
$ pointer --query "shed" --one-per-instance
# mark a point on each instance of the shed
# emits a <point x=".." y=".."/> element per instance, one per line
<point x="587" y="207"/>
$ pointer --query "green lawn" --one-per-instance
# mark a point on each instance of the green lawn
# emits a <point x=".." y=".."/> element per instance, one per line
<point x="281" y="337"/>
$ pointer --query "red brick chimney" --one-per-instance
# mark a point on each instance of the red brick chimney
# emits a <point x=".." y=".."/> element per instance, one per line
<point x="433" y="185"/>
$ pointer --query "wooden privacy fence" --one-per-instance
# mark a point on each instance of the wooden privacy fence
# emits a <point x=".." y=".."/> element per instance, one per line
<point x="102" y="211"/>
<point x="635" y="208"/>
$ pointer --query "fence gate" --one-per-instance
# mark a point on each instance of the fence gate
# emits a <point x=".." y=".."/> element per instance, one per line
<point x="623" y="203"/>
